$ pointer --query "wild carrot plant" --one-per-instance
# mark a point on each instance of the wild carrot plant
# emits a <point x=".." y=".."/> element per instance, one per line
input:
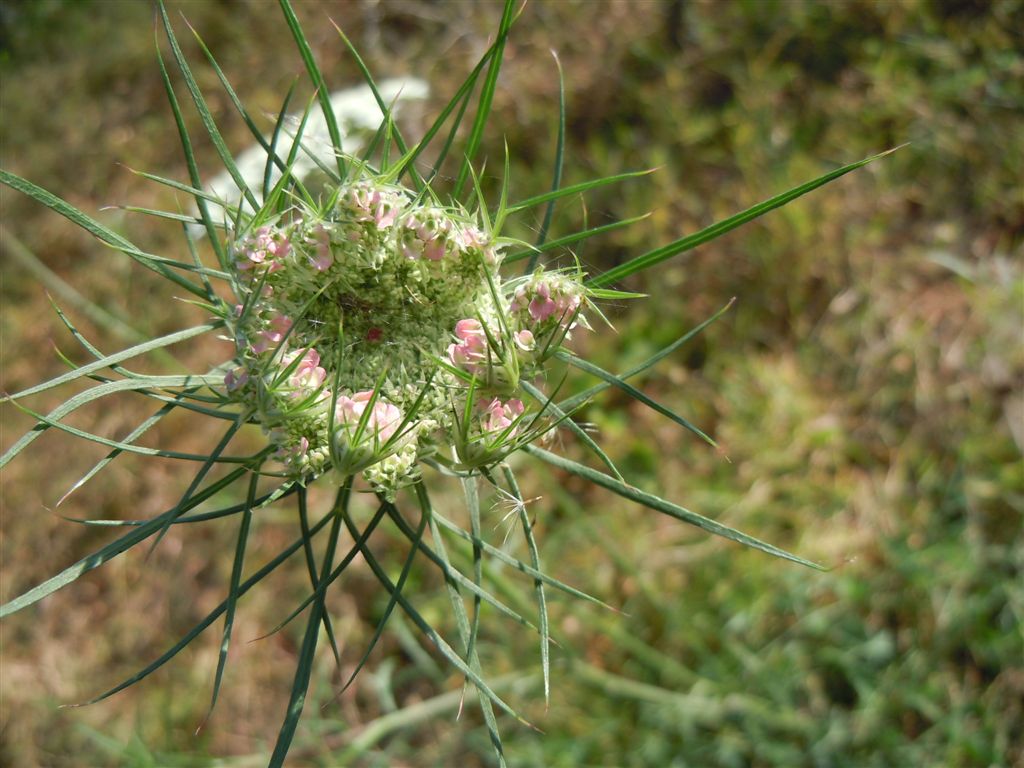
<point x="388" y="338"/>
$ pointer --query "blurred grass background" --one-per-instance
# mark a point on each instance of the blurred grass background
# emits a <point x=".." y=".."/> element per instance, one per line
<point x="867" y="389"/>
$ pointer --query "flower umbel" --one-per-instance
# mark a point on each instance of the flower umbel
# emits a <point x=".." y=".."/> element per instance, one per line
<point x="364" y="297"/>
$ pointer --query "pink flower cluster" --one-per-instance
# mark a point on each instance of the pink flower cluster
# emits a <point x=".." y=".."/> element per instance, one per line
<point x="497" y="416"/>
<point x="293" y="454"/>
<point x="433" y="236"/>
<point x="524" y="340"/>
<point x="383" y="421"/>
<point x="322" y="259"/>
<point x="271" y="337"/>
<point x="428" y="233"/>
<point x="370" y="203"/>
<point x="427" y="237"/>
<point x="265" y="249"/>
<point x="236" y="378"/>
<point x="471" y="238"/>
<point x="470" y="353"/>
<point x="542" y="300"/>
<point x="308" y="376"/>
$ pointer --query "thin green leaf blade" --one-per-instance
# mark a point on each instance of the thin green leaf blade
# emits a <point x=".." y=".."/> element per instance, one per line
<point x="499" y="554"/>
<point x="113" y="549"/>
<point x="268" y="169"/>
<point x="542" y="605"/>
<point x="574" y="189"/>
<point x="117" y="357"/>
<point x="576" y="429"/>
<point x="392" y="602"/>
<point x="556" y="182"/>
<point x="233" y="587"/>
<point x="320" y="587"/>
<point x="483" y="109"/>
<point x="453" y="578"/>
<point x="629" y="389"/>
<point x="439" y="642"/>
<point x="304" y="668"/>
<point x="572" y="239"/>
<point x="577" y="400"/>
<point x="658" y="255"/>
<point x="53" y="418"/>
<point x="130" y="438"/>
<point x="270" y="147"/>
<point x="661" y="505"/>
<point x="314" y="579"/>
<point x="384" y="108"/>
<point x="209" y="619"/>
<point x="205" y="115"/>
<point x="94" y="228"/>
<point x="318" y="82"/>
